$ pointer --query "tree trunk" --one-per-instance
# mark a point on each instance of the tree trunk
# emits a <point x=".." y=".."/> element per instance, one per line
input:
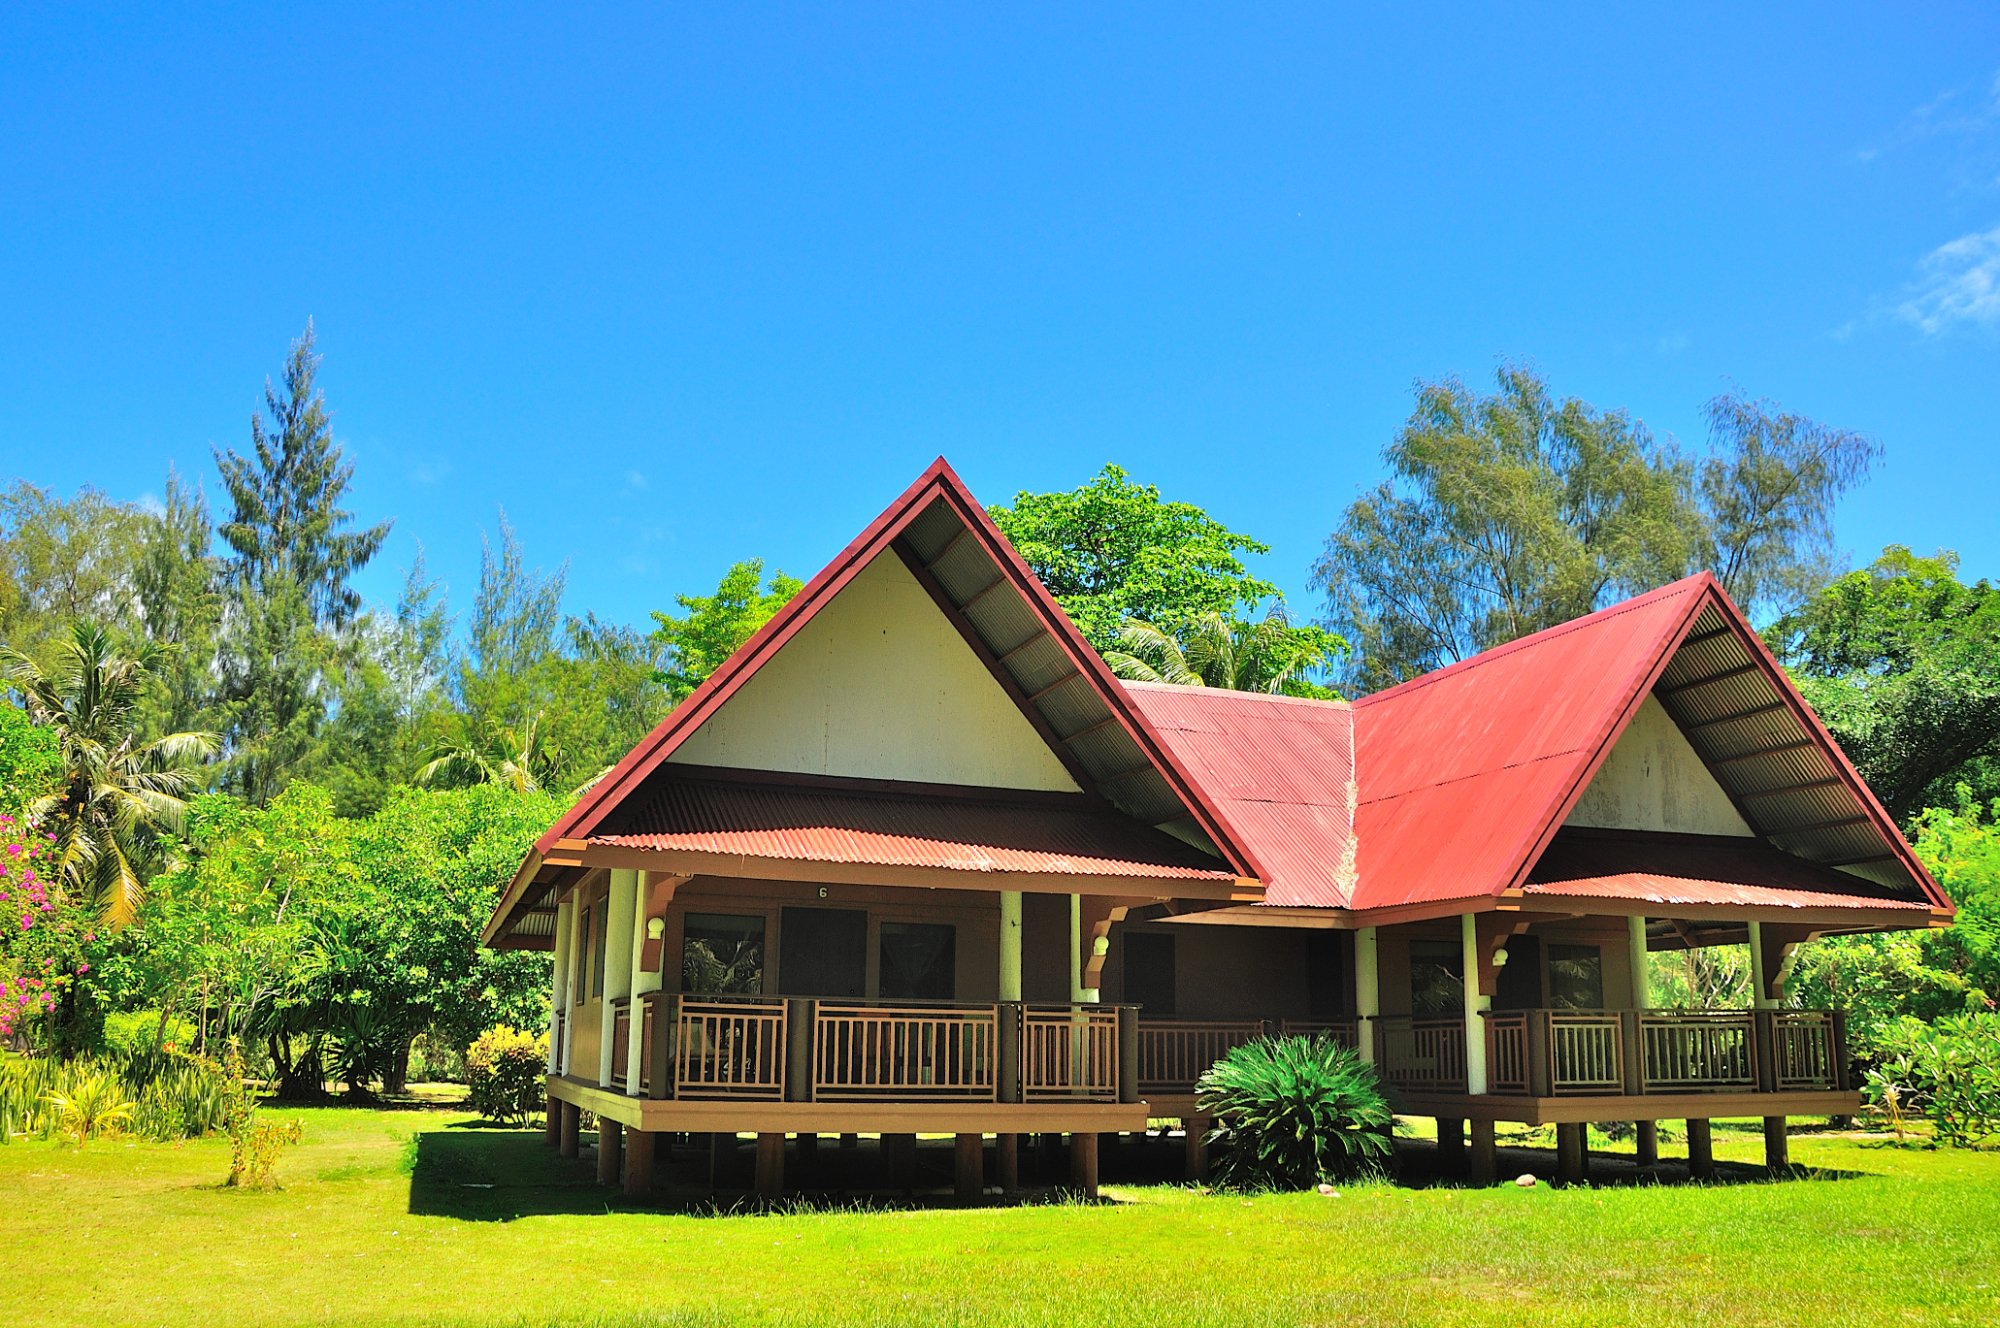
<point x="396" y="1070"/>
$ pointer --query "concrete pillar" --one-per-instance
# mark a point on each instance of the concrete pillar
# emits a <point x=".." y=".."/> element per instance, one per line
<point x="1197" y="1149"/>
<point x="1451" y="1143"/>
<point x="1083" y="1163"/>
<point x="610" y="1150"/>
<point x="638" y="982"/>
<point x="1777" y="1147"/>
<point x="1476" y="1005"/>
<point x="617" y="965"/>
<point x="770" y="1165"/>
<point x="1760" y="974"/>
<point x="1485" y="1165"/>
<point x="552" y="1122"/>
<point x="1007" y="1162"/>
<point x="1646" y="1147"/>
<point x="969" y="1167"/>
<point x="1010" y="945"/>
<point x="559" y="991"/>
<point x="1572" y="1153"/>
<point x="639" y="1163"/>
<point x="900" y="1152"/>
<point x="1701" y="1150"/>
<point x="1367" y="991"/>
<point x="566" y="1142"/>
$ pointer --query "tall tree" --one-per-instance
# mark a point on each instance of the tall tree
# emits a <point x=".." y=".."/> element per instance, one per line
<point x="1114" y="549"/>
<point x="1902" y="660"/>
<point x="1517" y="510"/>
<point x="176" y="585"/>
<point x="293" y="556"/>
<point x="117" y="792"/>
<point x="62" y="561"/>
<point x="710" y="627"/>
<point x="1268" y="654"/>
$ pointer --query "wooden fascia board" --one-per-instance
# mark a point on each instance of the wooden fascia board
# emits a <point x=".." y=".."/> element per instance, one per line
<point x="517" y="889"/>
<point x="691" y="862"/>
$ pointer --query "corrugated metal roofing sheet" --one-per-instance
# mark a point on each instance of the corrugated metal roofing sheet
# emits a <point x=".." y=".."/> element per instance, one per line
<point x="1650" y="888"/>
<point x="870" y="827"/>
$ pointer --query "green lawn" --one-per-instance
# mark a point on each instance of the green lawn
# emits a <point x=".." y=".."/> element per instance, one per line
<point x="412" y="1217"/>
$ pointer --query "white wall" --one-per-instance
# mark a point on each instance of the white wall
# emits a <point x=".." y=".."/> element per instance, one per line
<point x="1652" y="780"/>
<point x="878" y="685"/>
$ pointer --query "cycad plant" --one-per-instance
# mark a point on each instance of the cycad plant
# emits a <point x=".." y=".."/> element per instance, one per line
<point x="1292" y="1112"/>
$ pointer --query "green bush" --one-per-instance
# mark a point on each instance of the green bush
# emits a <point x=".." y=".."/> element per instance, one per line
<point x="1948" y="1069"/>
<point x="172" y="1095"/>
<point x="504" y="1071"/>
<point x="128" y="1031"/>
<point x="1292" y="1112"/>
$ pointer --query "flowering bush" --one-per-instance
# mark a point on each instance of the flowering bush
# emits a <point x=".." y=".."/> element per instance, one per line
<point x="504" y="1071"/>
<point x="49" y="942"/>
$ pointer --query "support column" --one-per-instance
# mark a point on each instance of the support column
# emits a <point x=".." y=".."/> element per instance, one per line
<point x="1007" y="1162"/>
<point x="900" y="1152"/>
<point x="1197" y="1148"/>
<point x="1076" y="995"/>
<point x="770" y="1165"/>
<point x="618" y="949"/>
<point x="1572" y="1153"/>
<point x="610" y="1150"/>
<point x="551" y="1122"/>
<point x="1760" y="971"/>
<point x="1010" y="945"/>
<point x="1646" y="1144"/>
<point x="969" y="1167"/>
<point x="1485" y="1154"/>
<point x="1083" y="1163"/>
<point x="639" y="1163"/>
<point x="1476" y="1004"/>
<point x="1701" y="1150"/>
<point x="1451" y="1143"/>
<point x="638" y="982"/>
<point x="1777" y="1147"/>
<point x="1367" y="991"/>
<point x="566" y="1143"/>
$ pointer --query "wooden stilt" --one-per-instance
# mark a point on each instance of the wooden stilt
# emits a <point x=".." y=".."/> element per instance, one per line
<point x="720" y="1149"/>
<point x="552" y="1123"/>
<point x="1083" y="1163"/>
<point x="1197" y="1148"/>
<point x="806" y="1146"/>
<point x="1007" y="1162"/>
<point x="1485" y="1163"/>
<point x="969" y="1167"/>
<point x="1048" y="1154"/>
<point x="850" y="1141"/>
<point x="566" y="1144"/>
<point x="1646" y="1150"/>
<point x="1572" y="1154"/>
<point x="639" y="1163"/>
<point x="1701" y="1150"/>
<point x="1451" y="1144"/>
<point x="770" y="1165"/>
<point x="1777" y="1147"/>
<point x="900" y="1152"/>
<point x="610" y="1150"/>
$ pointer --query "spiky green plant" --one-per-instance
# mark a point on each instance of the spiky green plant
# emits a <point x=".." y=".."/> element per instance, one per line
<point x="94" y="1106"/>
<point x="1292" y="1112"/>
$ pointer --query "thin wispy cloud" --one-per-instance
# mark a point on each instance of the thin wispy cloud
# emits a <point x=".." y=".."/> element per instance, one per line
<point x="1958" y="285"/>
<point x="1972" y="109"/>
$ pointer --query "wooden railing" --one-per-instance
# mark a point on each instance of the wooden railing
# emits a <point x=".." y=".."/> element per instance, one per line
<point x="1070" y="1052"/>
<point x="621" y="1039"/>
<point x="1508" y="1058"/>
<point x="729" y="1047"/>
<point x="903" y="1052"/>
<point x="1805" y="1049"/>
<point x="1697" y="1051"/>
<point x="647" y="1010"/>
<point x="1421" y="1053"/>
<point x="1173" y="1053"/>
<point x="1586" y="1052"/>
<point x="1345" y="1032"/>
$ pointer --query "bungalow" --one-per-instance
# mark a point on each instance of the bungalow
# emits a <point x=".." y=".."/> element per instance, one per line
<point x="914" y="861"/>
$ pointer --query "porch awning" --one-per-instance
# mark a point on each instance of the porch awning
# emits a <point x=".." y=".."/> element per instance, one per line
<point x="986" y="831"/>
<point x="1652" y="888"/>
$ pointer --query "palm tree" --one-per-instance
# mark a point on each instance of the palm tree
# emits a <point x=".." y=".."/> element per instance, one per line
<point x="521" y="762"/>
<point x="1266" y="655"/>
<point x="118" y="793"/>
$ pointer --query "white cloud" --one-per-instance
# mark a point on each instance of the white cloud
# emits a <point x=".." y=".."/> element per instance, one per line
<point x="1958" y="283"/>
<point x="1967" y="110"/>
<point x="634" y="481"/>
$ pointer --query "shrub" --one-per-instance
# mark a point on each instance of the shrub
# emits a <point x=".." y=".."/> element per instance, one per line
<point x="92" y="1107"/>
<point x="504" y="1071"/>
<point x="254" y="1145"/>
<point x="1949" y="1070"/>
<point x="130" y="1031"/>
<point x="1292" y="1112"/>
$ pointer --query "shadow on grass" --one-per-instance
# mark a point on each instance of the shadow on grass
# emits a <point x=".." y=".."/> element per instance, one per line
<point x="497" y="1175"/>
<point x="1420" y="1166"/>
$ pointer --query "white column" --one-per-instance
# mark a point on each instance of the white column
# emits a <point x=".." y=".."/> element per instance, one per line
<point x="559" y="988"/>
<point x="1475" y="1005"/>
<point x="1642" y="996"/>
<point x="642" y="981"/>
<point x="1076" y="949"/>
<point x="617" y="964"/>
<point x="1760" y="980"/>
<point x="1367" y="991"/>
<point x="1010" y="945"/>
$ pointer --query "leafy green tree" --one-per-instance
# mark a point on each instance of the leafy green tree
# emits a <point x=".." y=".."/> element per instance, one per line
<point x="1267" y="654"/>
<point x="1511" y="512"/>
<point x="30" y="761"/>
<point x="1113" y="550"/>
<point x="711" y="627"/>
<point x="1902" y="660"/>
<point x="177" y="586"/>
<point x="117" y="792"/>
<point x="393" y="708"/>
<point x="64" y="560"/>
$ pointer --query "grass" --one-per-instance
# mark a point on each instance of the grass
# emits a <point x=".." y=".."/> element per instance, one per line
<point x="416" y="1216"/>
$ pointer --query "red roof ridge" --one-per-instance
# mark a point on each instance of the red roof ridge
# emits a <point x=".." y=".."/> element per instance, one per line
<point x="1686" y="585"/>
<point x="1235" y="694"/>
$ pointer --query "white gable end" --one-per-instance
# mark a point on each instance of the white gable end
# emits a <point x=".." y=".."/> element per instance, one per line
<point x="878" y="685"/>
<point x="1652" y="780"/>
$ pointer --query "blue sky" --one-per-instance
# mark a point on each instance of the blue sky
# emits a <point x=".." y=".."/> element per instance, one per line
<point x="678" y="287"/>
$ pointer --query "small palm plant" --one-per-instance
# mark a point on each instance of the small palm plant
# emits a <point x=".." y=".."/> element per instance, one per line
<point x="1293" y="1112"/>
<point x="95" y="1105"/>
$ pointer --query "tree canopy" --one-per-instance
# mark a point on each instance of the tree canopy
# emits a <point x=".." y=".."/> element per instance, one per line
<point x="709" y="628"/>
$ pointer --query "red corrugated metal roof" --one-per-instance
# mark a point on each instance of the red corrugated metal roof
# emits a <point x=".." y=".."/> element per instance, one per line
<point x="1651" y="888"/>
<point x="989" y="833"/>
<point x="1281" y="772"/>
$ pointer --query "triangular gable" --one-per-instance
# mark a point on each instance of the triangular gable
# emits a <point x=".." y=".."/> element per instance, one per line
<point x="1653" y="779"/>
<point x="1467" y="773"/>
<point x="1060" y="686"/>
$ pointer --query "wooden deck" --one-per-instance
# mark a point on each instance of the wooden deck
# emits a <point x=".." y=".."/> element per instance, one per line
<point x="735" y="1116"/>
<point x="1577" y="1110"/>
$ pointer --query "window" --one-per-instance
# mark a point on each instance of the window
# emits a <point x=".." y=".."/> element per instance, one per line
<point x="1149" y="972"/>
<point x="1576" y="977"/>
<point x="823" y="952"/>
<point x="1437" y="979"/>
<point x="1326" y="976"/>
<point x="722" y="954"/>
<point x="600" y="923"/>
<point x="919" y="961"/>
<point x="579" y="952"/>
